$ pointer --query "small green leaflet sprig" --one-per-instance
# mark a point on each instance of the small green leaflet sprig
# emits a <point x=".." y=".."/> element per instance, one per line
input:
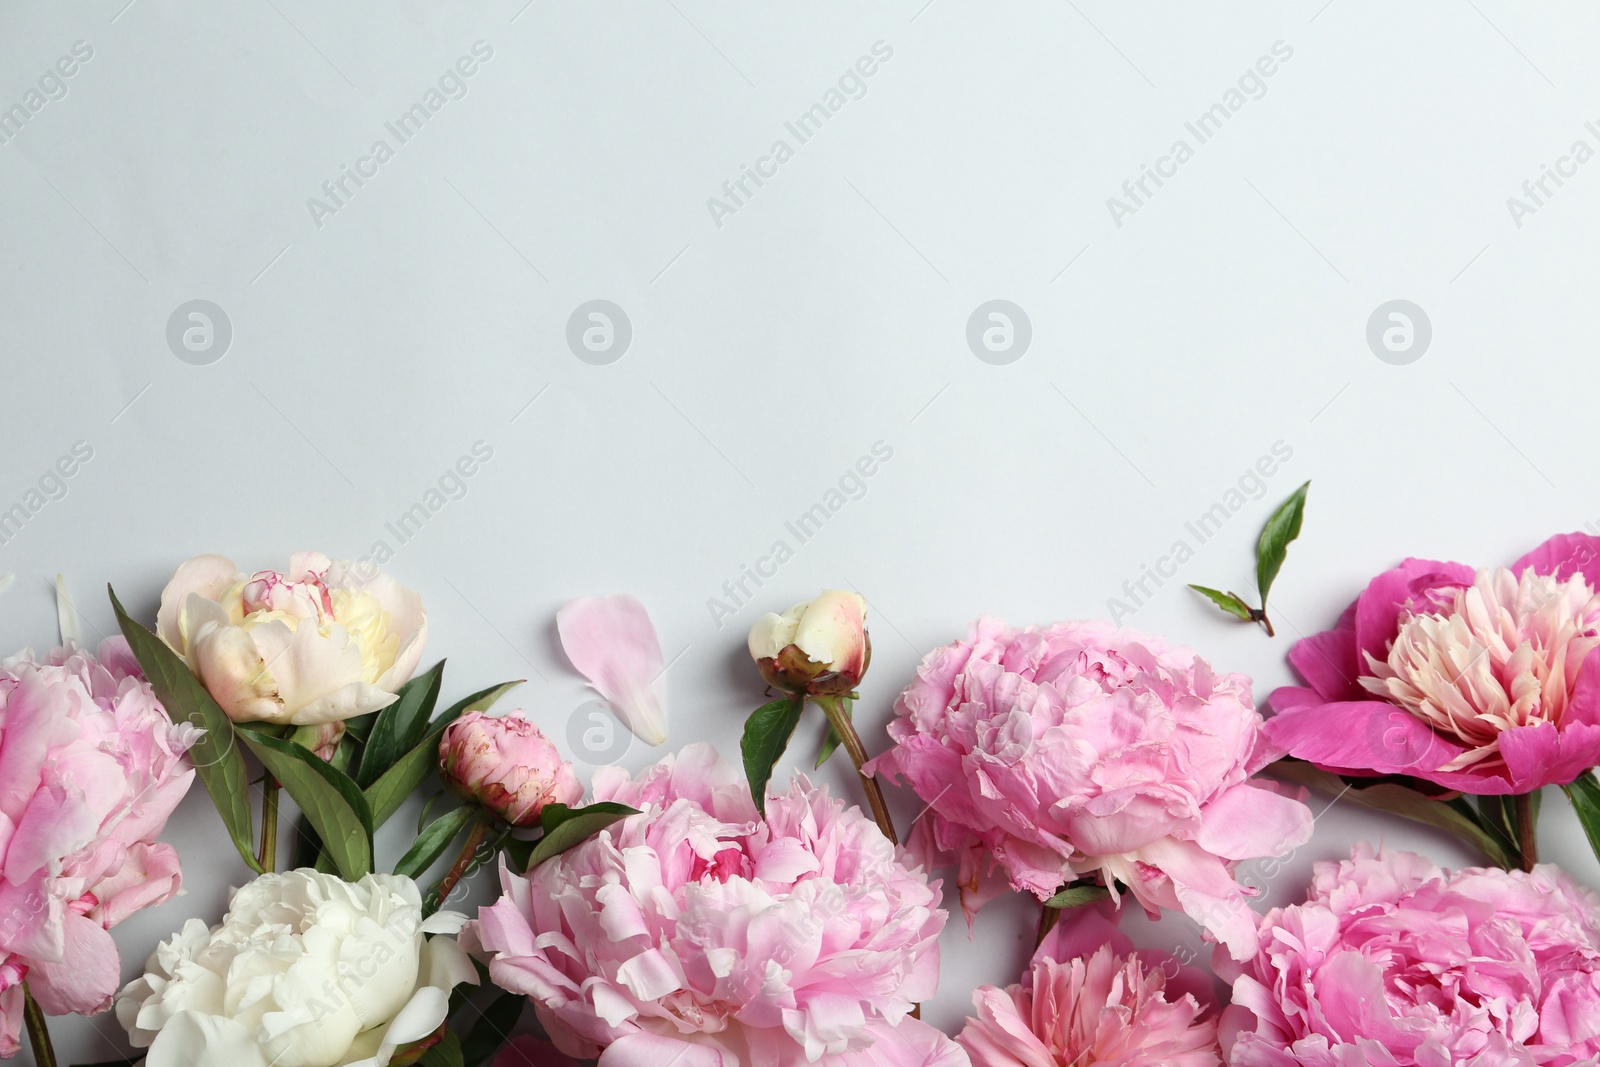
<point x="1282" y="528"/>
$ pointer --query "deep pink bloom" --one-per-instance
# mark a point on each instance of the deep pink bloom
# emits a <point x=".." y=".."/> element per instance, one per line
<point x="1476" y="681"/>
<point x="1090" y="1000"/>
<point x="1394" y="961"/>
<point x="505" y="763"/>
<point x="698" y="935"/>
<point x="90" y="768"/>
<point x="1078" y="749"/>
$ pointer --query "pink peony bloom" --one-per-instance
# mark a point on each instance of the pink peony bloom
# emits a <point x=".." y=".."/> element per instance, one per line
<point x="505" y="763"/>
<point x="695" y="934"/>
<point x="1394" y="961"/>
<point x="1081" y="749"/>
<point x="1479" y="682"/>
<point x="90" y="768"/>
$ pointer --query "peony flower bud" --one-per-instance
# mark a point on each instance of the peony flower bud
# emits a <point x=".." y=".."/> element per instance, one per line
<point x="323" y="740"/>
<point x="504" y="763"/>
<point x="818" y="646"/>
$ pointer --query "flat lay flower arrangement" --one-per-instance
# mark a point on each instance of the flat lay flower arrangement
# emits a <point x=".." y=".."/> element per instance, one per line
<point x="702" y="913"/>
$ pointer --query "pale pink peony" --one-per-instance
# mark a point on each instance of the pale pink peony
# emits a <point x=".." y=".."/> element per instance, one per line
<point x="326" y="641"/>
<point x="1394" y="961"/>
<point x="1475" y="681"/>
<point x="1090" y="1000"/>
<point x="90" y="768"/>
<point x="697" y="935"/>
<point x="506" y="764"/>
<point x="1080" y="749"/>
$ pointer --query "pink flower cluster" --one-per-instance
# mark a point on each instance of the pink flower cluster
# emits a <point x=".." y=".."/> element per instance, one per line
<point x="1479" y="681"/>
<point x="694" y="933"/>
<point x="1090" y="1000"/>
<point x="1080" y="749"/>
<point x="1394" y="961"/>
<point x="90" y="768"/>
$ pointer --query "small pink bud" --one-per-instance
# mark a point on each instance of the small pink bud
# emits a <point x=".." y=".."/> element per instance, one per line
<point x="505" y="764"/>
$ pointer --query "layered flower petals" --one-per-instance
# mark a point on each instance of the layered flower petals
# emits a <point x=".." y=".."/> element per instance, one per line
<point x="1481" y="682"/>
<point x="696" y="932"/>
<point x="1080" y="750"/>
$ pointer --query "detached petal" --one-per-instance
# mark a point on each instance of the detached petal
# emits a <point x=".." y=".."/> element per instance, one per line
<point x="612" y="643"/>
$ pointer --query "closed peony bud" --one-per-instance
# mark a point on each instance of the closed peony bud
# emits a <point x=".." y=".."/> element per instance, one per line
<point x="818" y="646"/>
<point x="323" y="740"/>
<point x="505" y="764"/>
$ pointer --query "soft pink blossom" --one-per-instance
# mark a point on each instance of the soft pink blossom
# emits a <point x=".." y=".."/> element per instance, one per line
<point x="1079" y="749"/>
<point x="1090" y="1000"/>
<point x="90" y="768"/>
<point x="505" y="763"/>
<point x="325" y="641"/>
<point x="696" y="934"/>
<point x="1393" y="961"/>
<point x="1475" y="681"/>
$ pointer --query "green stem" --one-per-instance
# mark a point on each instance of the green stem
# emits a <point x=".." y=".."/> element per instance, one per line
<point x="44" y="1052"/>
<point x="833" y="707"/>
<point x="267" y="854"/>
<point x="1527" y="830"/>
<point x="480" y="830"/>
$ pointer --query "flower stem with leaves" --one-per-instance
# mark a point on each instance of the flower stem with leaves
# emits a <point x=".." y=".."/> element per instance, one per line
<point x="1271" y="547"/>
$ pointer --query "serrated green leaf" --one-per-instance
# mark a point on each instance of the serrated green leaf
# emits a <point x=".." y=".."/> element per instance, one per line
<point x="1076" y="896"/>
<point x="1226" y="601"/>
<point x="1398" y="800"/>
<point x="218" y="759"/>
<point x="565" y="827"/>
<point x="766" y="736"/>
<point x="1282" y="528"/>
<point x="400" y="726"/>
<point x="1584" y="792"/>
<point x="389" y="791"/>
<point x="434" y="841"/>
<point x="330" y="800"/>
<point x="493" y="1029"/>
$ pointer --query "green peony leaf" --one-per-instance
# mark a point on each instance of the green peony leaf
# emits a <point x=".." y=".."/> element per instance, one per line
<point x="400" y="726"/>
<point x="1226" y="601"/>
<point x="217" y="757"/>
<point x="332" y="803"/>
<point x="766" y="736"/>
<point x="434" y="841"/>
<point x="493" y="1029"/>
<point x="1282" y="528"/>
<point x="1076" y="896"/>
<point x="1584" y="792"/>
<point x="565" y="827"/>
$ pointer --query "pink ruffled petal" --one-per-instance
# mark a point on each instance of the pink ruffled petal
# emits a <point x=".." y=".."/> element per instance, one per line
<point x="1370" y="735"/>
<point x="1563" y="556"/>
<point x="1414" y="584"/>
<point x="612" y="643"/>
<point x="1250" y="821"/>
<point x="85" y="979"/>
<point x="1330" y="662"/>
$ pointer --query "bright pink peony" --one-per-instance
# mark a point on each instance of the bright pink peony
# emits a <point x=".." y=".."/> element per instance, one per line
<point x="506" y="764"/>
<point x="1394" y="961"/>
<point x="90" y="768"/>
<point x="1090" y="1000"/>
<point x="1080" y="749"/>
<point x="1480" y="682"/>
<point x="697" y="935"/>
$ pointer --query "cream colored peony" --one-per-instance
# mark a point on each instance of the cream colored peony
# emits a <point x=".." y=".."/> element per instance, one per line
<point x="320" y="643"/>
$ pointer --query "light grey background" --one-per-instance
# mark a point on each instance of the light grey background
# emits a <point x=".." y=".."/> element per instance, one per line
<point x="769" y="353"/>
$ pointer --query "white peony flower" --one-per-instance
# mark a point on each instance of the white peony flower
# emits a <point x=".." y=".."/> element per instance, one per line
<point x="305" y="970"/>
<point x="323" y="642"/>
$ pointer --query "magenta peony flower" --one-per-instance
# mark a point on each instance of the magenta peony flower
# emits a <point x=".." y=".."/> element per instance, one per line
<point x="1479" y="682"/>
<point x="1081" y="749"/>
<point x="1090" y="1000"/>
<point x="505" y="763"/>
<point x="1394" y="961"/>
<point x="695" y="934"/>
<point x="90" y="768"/>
